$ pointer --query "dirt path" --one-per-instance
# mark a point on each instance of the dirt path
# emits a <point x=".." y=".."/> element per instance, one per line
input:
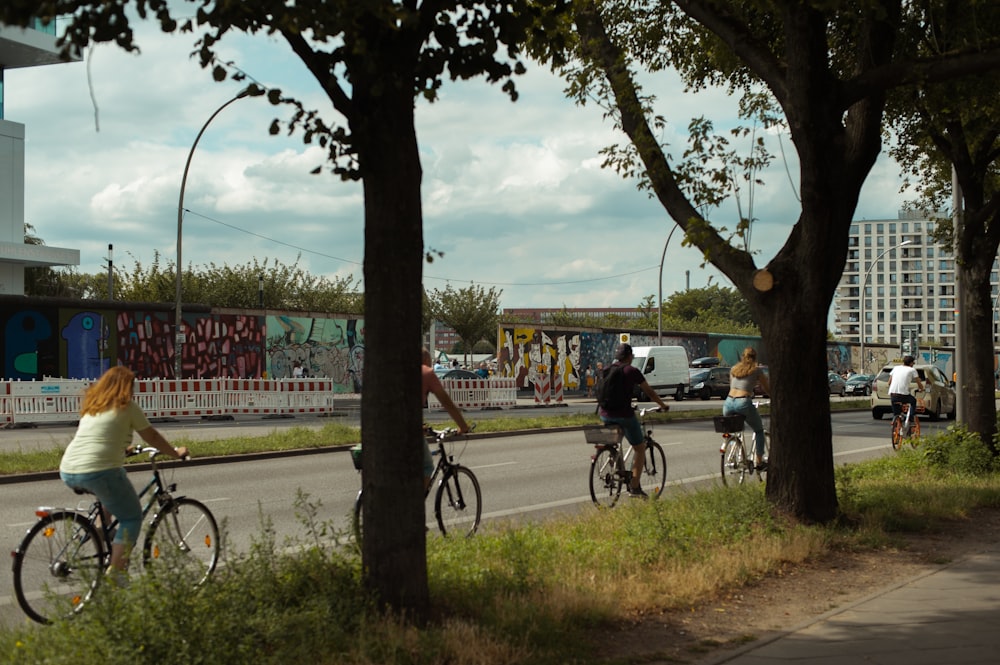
<point x="794" y="595"/>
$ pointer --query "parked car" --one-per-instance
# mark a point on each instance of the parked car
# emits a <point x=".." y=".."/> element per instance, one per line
<point x="859" y="384"/>
<point x="707" y="361"/>
<point x="837" y="384"/>
<point x="939" y="398"/>
<point x="459" y="374"/>
<point x="708" y="383"/>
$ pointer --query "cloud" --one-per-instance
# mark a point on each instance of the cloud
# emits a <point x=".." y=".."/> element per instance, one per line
<point x="514" y="193"/>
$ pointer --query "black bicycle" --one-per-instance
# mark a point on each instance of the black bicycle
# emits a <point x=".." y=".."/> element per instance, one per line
<point x="458" y="501"/>
<point x="62" y="559"/>
<point x="611" y="466"/>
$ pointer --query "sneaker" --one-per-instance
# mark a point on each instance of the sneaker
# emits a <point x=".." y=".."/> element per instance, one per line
<point x="762" y="467"/>
<point x="637" y="493"/>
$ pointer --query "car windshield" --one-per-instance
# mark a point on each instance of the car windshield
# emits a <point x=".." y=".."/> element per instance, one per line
<point x="700" y="376"/>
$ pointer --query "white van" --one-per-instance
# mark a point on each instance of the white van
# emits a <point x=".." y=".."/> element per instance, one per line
<point x="665" y="369"/>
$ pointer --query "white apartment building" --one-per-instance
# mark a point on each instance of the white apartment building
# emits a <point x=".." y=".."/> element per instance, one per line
<point x="897" y="284"/>
<point x="30" y="47"/>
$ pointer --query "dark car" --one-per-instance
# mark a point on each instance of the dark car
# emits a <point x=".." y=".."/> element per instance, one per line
<point x="459" y="374"/>
<point x="708" y="383"/>
<point x="859" y="384"/>
<point x="837" y="384"/>
<point x="707" y="361"/>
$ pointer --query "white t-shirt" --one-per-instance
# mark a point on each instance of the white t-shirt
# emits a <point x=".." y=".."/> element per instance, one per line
<point x="101" y="440"/>
<point x="900" y="379"/>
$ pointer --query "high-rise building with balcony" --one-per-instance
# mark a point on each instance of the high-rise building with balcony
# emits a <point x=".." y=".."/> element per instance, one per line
<point x="897" y="284"/>
<point x="21" y="47"/>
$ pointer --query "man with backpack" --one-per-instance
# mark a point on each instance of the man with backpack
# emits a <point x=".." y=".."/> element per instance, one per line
<point x="615" y="387"/>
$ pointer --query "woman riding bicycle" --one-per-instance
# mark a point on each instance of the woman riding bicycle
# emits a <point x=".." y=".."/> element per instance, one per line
<point x="743" y="378"/>
<point x="94" y="459"/>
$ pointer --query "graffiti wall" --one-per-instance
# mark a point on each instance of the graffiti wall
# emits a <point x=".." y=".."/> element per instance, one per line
<point x="525" y="352"/>
<point x="328" y="348"/>
<point x="42" y="337"/>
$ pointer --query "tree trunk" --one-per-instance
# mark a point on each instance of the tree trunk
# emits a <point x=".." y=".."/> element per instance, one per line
<point x="800" y="480"/>
<point x="394" y="549"/>
<point x="979" y="381"/>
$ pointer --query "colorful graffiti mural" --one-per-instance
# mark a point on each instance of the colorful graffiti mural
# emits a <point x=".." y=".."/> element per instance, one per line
<point x="329" y="348"/>
<point x="40" y="338"/>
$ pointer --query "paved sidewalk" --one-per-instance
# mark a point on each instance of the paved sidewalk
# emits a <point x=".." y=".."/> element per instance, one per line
<point x="948" y="616"/>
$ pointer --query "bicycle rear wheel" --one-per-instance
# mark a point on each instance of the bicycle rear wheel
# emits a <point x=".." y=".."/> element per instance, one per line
<point x="733" y="461"/>
<point x="605" y="481"/>
<point x="458" y="505"/>
<point x="58" y="566"/>
<point x="654" y="470"/>
<point x="183" y="538"/>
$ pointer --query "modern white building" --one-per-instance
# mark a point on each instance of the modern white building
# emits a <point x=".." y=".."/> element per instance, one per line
<point x="897" y="284"/>
<point x="19" y="47"/>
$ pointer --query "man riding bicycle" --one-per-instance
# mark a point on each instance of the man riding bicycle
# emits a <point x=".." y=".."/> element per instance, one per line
<point x="617" y="410"/>
<point x="900" y="379"/>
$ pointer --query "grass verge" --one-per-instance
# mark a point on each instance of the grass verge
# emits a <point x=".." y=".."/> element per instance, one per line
<point x="542" y="593"/>
<point x="338" y="434"/>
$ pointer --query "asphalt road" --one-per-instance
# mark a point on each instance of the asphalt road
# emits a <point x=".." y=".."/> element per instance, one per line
<point x="526" y="476"/>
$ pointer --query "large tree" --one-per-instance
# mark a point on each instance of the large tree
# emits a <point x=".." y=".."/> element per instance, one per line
<point x="371" y="58"/>
<point x="473" y="312"/>
<point x="955" y="129"/>
<point x="827" y="67"/>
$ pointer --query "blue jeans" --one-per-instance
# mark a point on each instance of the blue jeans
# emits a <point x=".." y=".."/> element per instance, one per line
<point x="745" y="407"/>
<point x="632" y="427"/>
<point x="115" y="492"/>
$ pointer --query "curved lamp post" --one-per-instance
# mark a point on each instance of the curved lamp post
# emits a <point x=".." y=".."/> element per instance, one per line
<point x="863" y="284"/>
<point x="178" y="321"/>
<point x="659" y="301"/>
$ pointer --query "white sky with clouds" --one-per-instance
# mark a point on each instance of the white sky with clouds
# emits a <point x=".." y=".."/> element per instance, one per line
<point x="513" y="192"/>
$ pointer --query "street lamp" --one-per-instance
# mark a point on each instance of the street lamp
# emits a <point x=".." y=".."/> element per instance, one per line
<point x="863" y="284"/>
<point x="659" y="301"/>
<point x="178" y="321"/>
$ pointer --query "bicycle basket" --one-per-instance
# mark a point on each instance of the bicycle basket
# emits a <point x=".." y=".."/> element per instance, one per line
<point x="356" y="456"/>
<point x="602" y="435"/>
<point x="728" y="424"/>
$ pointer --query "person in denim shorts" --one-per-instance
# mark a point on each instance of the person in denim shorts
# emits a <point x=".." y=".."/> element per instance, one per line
<point x="94" y="460"/>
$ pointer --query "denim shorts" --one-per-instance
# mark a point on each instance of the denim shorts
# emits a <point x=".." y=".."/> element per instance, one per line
<point x="115" y="492"/>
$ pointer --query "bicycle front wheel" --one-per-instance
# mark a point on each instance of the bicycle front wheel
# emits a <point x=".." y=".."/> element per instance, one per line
<point x="734" y="462"/>
<point x="897" y="432"/>
<point x="58" y="566"/>
<point x="654" y="470"/>
<point x="183" y="538"/>
<point x="605" y="480"/>
<point x="458" y="505"/>
<point x="914" y="431"/>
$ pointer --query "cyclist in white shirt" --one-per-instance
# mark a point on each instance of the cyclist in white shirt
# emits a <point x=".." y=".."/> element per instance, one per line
<point x="900" y="379"/>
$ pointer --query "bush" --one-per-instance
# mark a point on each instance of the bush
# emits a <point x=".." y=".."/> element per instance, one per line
<point x="959" y="451"/>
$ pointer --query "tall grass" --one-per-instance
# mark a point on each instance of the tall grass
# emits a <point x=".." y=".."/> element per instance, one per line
<point x="538" y="593"/>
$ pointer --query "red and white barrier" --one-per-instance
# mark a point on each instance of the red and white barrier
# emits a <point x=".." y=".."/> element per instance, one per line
<point x="307" y="395"/>
<point x="252" y="397"/>
<point x="542" y="391"/>
<point x="478" y="394"/>
<point x="6" y="405"/>
<point x="190" y="397"/>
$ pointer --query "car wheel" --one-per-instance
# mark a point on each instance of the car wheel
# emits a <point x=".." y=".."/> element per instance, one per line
<point x="876" y="414"/>
<point x="868" y="391"/>
<point x="705" y="393"/>
<point x="679" y="394"/>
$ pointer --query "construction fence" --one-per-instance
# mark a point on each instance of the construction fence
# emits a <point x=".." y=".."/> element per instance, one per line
<point x="25" y="403"/>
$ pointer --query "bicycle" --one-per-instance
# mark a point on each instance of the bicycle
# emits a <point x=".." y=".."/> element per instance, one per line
<point x="458" y="501"/>
<point x="62" y="559"/>
<point x="611" y="466"/>
<point x="900" y="430"/>
<point x="733" y="457"/>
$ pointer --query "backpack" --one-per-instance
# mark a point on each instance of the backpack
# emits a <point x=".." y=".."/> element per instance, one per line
<point x="611" y="394"/>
